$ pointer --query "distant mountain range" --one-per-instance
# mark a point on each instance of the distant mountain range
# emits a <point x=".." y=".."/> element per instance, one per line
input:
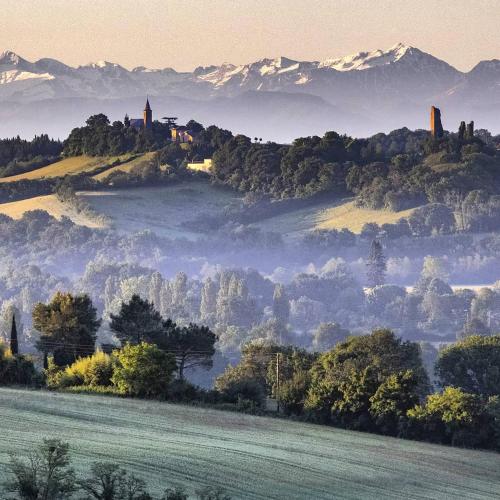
<point x="276" y="99"/>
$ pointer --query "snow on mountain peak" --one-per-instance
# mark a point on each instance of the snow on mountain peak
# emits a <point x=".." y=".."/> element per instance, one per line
<point x="9" y="57"/>
<point x="366" y="60"/>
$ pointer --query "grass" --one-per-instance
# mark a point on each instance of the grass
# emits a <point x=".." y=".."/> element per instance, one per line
<point x="253" y="457"/>
<point x="51" y="205"/>
<point x="127" y="166"/>
<point x="68" y="166"/>
<point x="353" y="218"/>
<point x="162" y="209"/>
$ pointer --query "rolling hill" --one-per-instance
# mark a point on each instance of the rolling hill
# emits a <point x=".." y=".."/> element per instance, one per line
<point x="172" y="210"/>
<point x="68" y="166"/>
<point x="252" y="457"/>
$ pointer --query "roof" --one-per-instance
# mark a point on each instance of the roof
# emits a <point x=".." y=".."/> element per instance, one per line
<point x="137" y="122"/>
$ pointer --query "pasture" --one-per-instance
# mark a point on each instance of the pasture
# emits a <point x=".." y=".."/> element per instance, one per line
<point x="67" y="166"/>
<point x="252" y="457"/>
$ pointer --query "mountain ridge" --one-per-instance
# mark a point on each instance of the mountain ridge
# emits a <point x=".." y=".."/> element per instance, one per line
<point x="385" y="89"/>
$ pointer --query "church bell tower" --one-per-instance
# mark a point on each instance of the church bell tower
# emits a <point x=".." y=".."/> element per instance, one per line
<point x="148" y="115"/>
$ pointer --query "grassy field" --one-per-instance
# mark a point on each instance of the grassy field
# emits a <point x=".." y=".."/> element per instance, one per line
<point x="353" y="218"/>
<point x="167" y="209"/>
<point x="51" y="205"/>
<point x="68" y="166"/>
<point x="253" y="457"/>
<point x="162" y="209"/>
<point x="127" y="166"/>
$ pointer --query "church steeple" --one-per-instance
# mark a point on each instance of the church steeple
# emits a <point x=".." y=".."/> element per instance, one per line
<point x="148" y="115"/>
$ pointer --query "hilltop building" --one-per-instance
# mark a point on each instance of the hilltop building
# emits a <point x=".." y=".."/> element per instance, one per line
<point x="436" y="125"/>
<point x="146" y="121"/>
<point x="182" y="134"/>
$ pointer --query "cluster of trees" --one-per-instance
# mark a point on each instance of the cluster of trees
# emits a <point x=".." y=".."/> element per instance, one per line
<point x="375" y="383"/>
<point x="152" y="348"/>
<point x="19" y="155"/>
<point x="238" y="303"/>
<point x="378" y="383"/>
<point x="46" y="474"/>
<point x="394" y="171"/>
<point x="100" y="138"/>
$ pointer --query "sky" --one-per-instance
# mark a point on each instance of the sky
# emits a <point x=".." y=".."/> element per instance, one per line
<point x="184" y="34"/>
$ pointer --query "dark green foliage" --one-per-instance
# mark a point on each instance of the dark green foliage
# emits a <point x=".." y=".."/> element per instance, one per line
<point x="18" y="155"/>
<point x="455" y="417"/>
<point x="143" y="370"/>
<point x="67" y="326"/>
<point x="100" y="138"/>
<point x="14" y="343"/>
<point x="46" y="474"/>
<point x="138" y="321"/>
<point x="191" y="345"/>
<point x="393" y="398"/>
<point x="345" y="379"/>
<point x="15" y="370"/>
<point x="472" y="365"/>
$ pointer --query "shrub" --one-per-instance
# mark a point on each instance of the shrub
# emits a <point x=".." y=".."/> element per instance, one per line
<point x="15" y="369"/>
<point x="472" y="364"/>
<point x="452" y="417"/>
<point x="236" y="387"/>
<point x="92" y="370"/>
<point x="143" y="370"/>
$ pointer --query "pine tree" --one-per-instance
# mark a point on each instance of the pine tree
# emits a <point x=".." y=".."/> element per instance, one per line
<point x="376" y="266"/>
<point x="14" y="346"/>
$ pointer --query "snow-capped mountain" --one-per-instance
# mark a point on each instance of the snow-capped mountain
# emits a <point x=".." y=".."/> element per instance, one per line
<point x="383" y="88"/>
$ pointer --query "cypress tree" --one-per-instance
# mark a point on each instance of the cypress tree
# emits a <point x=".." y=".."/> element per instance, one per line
<point x="14" y="345"/>
<point x="376" y="266"/>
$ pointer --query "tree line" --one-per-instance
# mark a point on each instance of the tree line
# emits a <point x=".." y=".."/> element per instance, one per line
<point x="376" y="382"/>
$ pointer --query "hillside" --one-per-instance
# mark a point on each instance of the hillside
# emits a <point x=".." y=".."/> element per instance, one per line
<point x="353" y="218"/>
<point x="171" y="210"/>
<point x="253" y="457"/>
<point x="50" y="204"/>
<point x="68" y="166"/>
<point x="126" y="166"/>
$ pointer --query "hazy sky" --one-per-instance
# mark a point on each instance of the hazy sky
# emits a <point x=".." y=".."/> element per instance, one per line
<point x="187" y="33"/>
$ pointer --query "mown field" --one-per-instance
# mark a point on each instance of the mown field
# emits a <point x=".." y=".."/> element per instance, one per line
<point x="68" y="166"/>
<point x="353" y="218"/>
<point x="50" y="204"/>
<point x="127" y="166"/>
<point x="253" y="457"/>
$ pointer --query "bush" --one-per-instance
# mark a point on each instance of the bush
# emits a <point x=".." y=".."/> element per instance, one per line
<point x="143" y="370"/>
<point x="182" y="391"/>
<point x="95" y="370"/>
<point x="15" y="369"/>
<point x="240" y="390"/>
<point x="453" y="417"/>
